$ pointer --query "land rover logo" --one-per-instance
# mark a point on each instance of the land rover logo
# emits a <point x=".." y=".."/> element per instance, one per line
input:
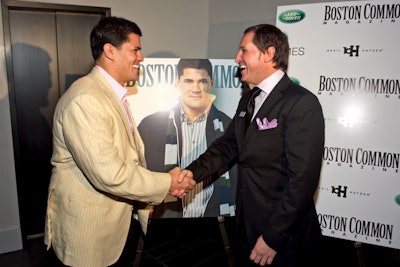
<point x="295" y="80"/>
<point x="292" y="16"/>
<point x="397" y="199"/>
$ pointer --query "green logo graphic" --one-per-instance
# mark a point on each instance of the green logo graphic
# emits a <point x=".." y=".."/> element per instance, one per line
<point x="397" y="199"/>
<point x="295" y="80"/>
<point x="292" y="16"/>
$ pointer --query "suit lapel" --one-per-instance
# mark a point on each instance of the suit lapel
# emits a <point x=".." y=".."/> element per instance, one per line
<point x="241" y="116"/>
<point x="138" y="142"/>
<point x="275" y="95"/>
<point x="134" y="138"/>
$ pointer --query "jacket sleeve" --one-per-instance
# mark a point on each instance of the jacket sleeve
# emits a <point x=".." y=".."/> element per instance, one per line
<point x="94" y="135"/>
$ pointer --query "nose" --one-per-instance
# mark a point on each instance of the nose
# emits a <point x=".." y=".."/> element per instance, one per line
<point x="196" y="87"/>
<point x="238" y="57"/>
<point x="140" y="56"/>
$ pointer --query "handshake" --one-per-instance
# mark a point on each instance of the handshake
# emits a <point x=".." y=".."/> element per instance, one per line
<point x="181" y="182"/>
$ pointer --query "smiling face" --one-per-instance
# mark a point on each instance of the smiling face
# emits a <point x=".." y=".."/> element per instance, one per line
<point x="254" y="64"/>
<point x="127" y="59"/>
<point x="194" y="86"/>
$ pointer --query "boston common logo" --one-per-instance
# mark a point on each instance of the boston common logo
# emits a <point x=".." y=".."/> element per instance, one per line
<point x="292" y="16"/>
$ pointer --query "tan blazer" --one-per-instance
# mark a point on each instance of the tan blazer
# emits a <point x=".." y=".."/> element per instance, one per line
<point x="99" y="169"/>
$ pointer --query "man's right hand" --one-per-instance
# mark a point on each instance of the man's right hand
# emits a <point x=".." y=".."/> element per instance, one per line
<point x="181" y="182"/>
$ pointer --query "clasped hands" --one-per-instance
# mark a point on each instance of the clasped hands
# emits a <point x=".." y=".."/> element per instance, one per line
<point x="181" y="182"/>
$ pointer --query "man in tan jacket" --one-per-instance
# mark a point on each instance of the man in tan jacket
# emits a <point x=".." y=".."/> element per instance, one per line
<point x="99" y="169"/>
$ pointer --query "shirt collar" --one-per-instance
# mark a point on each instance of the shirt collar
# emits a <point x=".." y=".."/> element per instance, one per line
<point x="119" y="90"/>
<point x="270" y="82"/>
<point x="200" y="117"/>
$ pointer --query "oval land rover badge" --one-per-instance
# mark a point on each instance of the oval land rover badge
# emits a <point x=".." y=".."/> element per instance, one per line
<point x="292" y="16"/>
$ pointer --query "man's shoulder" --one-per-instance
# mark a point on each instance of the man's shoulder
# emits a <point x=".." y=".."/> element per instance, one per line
<point x="155" y="119"/>
<point x="217" y="112"/>
<point x="87" y="84"/>
<point x="158" y="114"/>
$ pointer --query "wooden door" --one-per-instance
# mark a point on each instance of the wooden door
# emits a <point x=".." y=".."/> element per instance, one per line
<point x="47" y="48"/>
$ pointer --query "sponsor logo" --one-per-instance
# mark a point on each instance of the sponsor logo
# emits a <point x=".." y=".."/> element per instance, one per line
<point x="351" y="51"/>
<point x="397" y="199"/>
<point x="362" y="158"/>
<point x="359" y="85"/>
<point x="339" y="191"/>
<point x="354" y="51"/>
<point x="342" y="191"/>
<point x="297" y="51"/>
<point x="295" y="80"/>
<point x="291" y="16"/>
<point x="367" y="13"/>
<point x="356" y="228"/>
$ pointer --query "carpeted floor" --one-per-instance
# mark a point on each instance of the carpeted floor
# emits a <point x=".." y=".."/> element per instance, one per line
<point x="200" y="243"/>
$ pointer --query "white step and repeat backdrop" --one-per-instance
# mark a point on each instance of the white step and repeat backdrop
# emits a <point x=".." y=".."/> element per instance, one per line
<point x="348" y="54"/>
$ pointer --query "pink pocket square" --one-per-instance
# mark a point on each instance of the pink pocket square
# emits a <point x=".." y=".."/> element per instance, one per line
<point x="265" y="124"/>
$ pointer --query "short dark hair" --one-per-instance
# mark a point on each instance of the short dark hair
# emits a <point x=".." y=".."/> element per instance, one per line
<point x="266" y="35"/>
<point x="113" y="30"/>
<point x="194" y="63"/>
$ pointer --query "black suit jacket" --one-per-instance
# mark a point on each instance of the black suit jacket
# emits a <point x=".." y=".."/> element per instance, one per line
<point x="279" y="168"/>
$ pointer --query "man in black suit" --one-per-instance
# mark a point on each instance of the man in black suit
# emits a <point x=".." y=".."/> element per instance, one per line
<point x="278" y="149"/>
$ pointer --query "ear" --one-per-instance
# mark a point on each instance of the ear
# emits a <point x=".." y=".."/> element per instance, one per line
<point x="269" y="53"/>
<point x="108" y="50"/>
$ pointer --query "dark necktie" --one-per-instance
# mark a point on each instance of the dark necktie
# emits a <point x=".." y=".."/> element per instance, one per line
<point x="250" y="105"/>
